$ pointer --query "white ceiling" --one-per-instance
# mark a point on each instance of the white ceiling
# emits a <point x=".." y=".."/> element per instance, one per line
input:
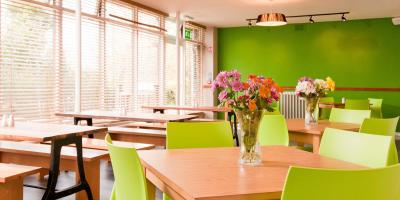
<point x="230" y="13"/>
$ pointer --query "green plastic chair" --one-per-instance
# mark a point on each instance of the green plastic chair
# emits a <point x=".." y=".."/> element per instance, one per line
<point x="349" y="116"/>
<point x="357" y="104"/>
<point x="359" y="148"/>
<point x="273" y="130"/>
<point x="325" y="112"/>
<point x="130" y="182"/>
<point x="376" y="107"/>
<point x="335" y="184"/>
<point x="383" y="127"/>
<point x="181" y="135"/>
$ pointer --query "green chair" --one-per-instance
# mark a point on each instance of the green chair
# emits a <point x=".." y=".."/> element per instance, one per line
<point x="376" y="107"/>
<point x="182" y="135"/>
<point x="359" y="148"/>
<point x="130" y="182"/>
<point x="273" y="130"/>
<point x="325" y="112"/>
<point x="336" y="184"/>
<point x="349" y="116"/>
<point x="357" y="104"/>
<point x="383" y="127"/>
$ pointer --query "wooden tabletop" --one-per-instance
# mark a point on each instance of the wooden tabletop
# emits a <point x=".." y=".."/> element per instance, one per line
<point x="199" y="108"/>
<point x="12" y="171"/>
<point x="41" y="132"/>
<point x="299" y="126"/>
<point x="214" y="173"/>
<point x="130" y="116"/>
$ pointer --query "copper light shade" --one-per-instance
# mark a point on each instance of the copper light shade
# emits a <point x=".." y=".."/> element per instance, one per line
<point x="271" y="19"/>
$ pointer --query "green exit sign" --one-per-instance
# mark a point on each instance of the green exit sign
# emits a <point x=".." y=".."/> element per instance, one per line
<point x="188" y="34"/>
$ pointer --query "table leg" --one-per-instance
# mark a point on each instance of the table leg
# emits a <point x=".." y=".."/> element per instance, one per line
<point x="89" y="122"/>
<point x="54" y="171"/>
<point x="151" y="190"/>
<point x="12" y="190"/>
<point x="158" y="110"/>
<point x="315" y="143"/>
<point x="234" y="126"/>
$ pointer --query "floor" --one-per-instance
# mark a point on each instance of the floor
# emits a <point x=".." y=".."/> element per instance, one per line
<point x="68" y="178"/>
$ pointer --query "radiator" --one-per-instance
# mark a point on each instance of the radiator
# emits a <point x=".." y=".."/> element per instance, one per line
<point x="291" y="106"/>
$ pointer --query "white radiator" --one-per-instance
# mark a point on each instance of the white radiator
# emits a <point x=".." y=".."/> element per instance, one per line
<point x="291" y="106"/>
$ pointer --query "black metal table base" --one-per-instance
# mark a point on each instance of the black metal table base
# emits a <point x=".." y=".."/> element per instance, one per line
<point x="56" y="147"/>
<point x="89" y="122"/>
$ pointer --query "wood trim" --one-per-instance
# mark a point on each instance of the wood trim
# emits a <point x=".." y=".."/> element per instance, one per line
<point x="196" y="24"/>
<point x="354" y="89"/>
<point x="145" y="7"/>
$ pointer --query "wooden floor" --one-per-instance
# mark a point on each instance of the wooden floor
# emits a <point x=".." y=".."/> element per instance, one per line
<point x="68" y="178"/>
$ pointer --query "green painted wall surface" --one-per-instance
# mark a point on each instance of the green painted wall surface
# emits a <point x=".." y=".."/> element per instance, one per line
<point x="357" y="53"/>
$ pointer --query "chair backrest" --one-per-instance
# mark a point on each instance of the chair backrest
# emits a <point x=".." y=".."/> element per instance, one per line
<point x="130" y="182"/>
<point x="380" y="126"/>
<point x="325" y="112"/>
<point x="359" y="148"/>
<point x="334" y="184"/>
<point x="349" y="116"/>
<point x="182" y="135"/>
<point x="357" y="104"/>
<point x="273" y="130"/>
<point x="376" y="107"/>
<point x="383" y="127"/>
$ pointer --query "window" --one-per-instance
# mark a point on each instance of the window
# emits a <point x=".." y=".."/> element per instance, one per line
<point x="119" y="58"/>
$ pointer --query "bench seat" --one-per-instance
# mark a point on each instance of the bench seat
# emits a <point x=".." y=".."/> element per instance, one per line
<point x="145" y="125"/>
<point x="39" y="155"/>
<point x="147" y="136"/>
<point x="100" y="144"/>
<point x="12" y="180"/>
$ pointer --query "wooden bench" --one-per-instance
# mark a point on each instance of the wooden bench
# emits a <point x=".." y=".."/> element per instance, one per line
<point x="39" y="155"/>
<point x="146" y="125"/>
<point x="147" y="136"/>
<point x="100" y="144"/>
<point x="12" y="180"/>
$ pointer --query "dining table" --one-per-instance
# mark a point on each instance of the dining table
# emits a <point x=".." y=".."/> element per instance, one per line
<point x="229" y="114"/>
<point x="58" y="135"/>
<point x="303" y="133"/>
<point x="215" y="173"/>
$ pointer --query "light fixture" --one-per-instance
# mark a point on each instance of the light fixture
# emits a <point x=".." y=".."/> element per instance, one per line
<point x="343" y="18"/>
<point x="271" y="19"/>
<point x="279" y="19"/>
<point x="311" y="20"/>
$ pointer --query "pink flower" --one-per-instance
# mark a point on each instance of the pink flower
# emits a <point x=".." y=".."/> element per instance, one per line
<point x="222" y="95"/>
<point x="237" y="86"/>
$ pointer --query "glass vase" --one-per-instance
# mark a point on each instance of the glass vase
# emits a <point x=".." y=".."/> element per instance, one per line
<point x="250" y="151"/>
<point x="311" y="115"/>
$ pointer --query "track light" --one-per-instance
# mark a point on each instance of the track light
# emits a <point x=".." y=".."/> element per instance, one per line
<point x="343" y="18"/>
<point x="311" y="20"/>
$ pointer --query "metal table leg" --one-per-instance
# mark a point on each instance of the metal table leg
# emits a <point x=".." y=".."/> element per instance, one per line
<point x="89" y="122"/>
<point x="56" y="146"/>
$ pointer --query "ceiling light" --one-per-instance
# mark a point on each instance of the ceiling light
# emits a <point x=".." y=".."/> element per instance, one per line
<point x="311" y="20"/>
<point x="343" y="18"/>
<point x="271" y="19"/>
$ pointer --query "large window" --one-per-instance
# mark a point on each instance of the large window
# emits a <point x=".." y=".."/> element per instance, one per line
<point x="127" y="59"/>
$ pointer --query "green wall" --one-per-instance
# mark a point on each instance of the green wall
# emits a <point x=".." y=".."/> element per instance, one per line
<point x="356" y="53"/>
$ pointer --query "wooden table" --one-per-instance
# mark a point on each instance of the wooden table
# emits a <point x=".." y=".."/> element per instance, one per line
<point x="312" y="134"/>
<point x="59" y="135"/>
<point x="214" y="173"/>
<point x="331" y="105"/>
<point x="229" y="114"/>
<point x="141" y="117"/>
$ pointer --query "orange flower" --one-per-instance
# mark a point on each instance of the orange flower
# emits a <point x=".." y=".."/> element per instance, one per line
<point x="278" y="88"/>
<point x="252" y="76"/>
<point x="252" y="104"/>
<point x="264" y="91"/>
<point x="246" y="85"/>
<point x="268" y="81"/>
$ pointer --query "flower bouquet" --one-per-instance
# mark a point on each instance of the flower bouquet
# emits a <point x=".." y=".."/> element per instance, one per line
<point x="248" y="100"/>
<point x="312" y="90"/>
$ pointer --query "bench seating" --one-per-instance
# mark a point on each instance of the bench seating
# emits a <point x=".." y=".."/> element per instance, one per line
<point x="146" y="125"/>
<point x="147" y="136"/>
<point x="100" y="144"/>
<point x="12" y="180"/>
<point x="39" y="155"/>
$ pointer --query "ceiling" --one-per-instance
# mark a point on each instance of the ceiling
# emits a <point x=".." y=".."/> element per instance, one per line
<point x="230" y="13"/>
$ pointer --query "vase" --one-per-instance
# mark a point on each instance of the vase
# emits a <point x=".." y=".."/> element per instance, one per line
<point x="250" y="151"/>
<point x="311" y="115"/>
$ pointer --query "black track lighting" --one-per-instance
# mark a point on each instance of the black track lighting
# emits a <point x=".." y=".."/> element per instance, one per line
<point x="311" y="20"/>
<point x="343" y="18"/>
